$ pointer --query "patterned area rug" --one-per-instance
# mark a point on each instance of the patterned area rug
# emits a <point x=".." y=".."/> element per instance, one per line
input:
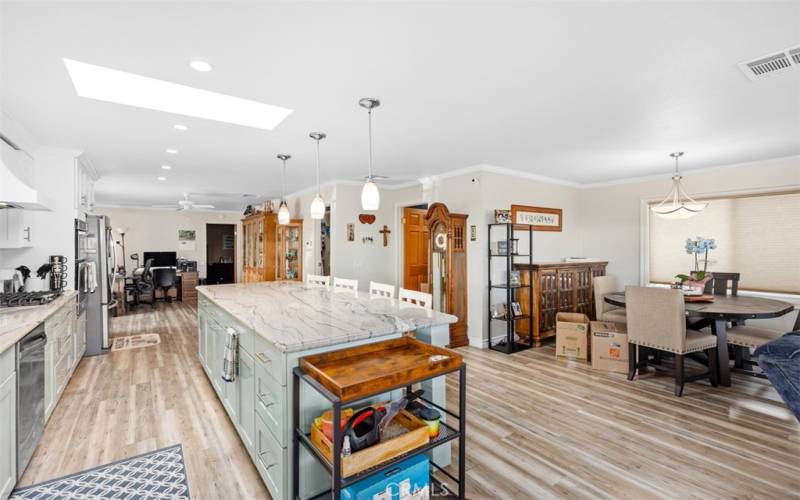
<point x="158" y="474"/>
<point x="135" y="341"/>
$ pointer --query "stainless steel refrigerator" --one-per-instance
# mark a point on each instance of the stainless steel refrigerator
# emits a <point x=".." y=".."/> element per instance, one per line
<point x="102" y="265"/>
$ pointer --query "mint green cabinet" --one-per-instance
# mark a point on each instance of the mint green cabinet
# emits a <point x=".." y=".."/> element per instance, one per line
<point x="8" y="433"/>
<point x="246" y="393"/>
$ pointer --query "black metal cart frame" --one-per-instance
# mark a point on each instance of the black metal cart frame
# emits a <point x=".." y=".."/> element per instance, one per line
<point x="447" y="434"/>
<point x="509" y="345"/>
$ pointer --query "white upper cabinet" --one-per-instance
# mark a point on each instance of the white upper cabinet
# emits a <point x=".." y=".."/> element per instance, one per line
<point x="16" y="228"/>
<point x="84" y="186"/>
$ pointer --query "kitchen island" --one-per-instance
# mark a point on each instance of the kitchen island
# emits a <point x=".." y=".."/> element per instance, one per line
<point x="277" y="324"/>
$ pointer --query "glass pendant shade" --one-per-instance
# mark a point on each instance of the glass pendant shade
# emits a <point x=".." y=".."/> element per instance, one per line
<point x="370" y="196"/>
<point x="318" y="204"/>
<point x="283" y="211"/>
<point x="318" y="207"/>
<point x="283" y="214"/>
<point x="677" y="204"/>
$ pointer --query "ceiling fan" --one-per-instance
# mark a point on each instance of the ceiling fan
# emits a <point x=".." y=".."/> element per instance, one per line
<point x="185" y="204"/>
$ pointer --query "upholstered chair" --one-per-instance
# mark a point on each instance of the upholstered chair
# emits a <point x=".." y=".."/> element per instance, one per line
<point x="604" y="311"/>
<point x="657" y="320"/>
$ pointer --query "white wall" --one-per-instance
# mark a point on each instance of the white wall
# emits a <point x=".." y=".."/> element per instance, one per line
<point x="157" y="230"/>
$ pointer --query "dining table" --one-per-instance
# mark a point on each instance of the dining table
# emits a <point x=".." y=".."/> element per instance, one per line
<point x="721" y="310"/>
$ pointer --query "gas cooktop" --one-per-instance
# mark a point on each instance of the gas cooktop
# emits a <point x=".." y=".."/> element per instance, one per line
<point x="27" y="298"/>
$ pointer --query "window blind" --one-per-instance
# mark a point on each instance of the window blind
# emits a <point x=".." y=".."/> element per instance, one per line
<point x="757" y="236"/>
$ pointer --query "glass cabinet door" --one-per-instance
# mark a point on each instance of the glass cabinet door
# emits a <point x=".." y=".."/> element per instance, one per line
<point x="291" y="252"/>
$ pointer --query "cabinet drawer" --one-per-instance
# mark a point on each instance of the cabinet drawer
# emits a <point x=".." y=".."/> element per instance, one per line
<point x="270" y="459"/>
<point x="7" y="363"/>
<point x="270" y="358"/>
<point x="63" y="366"/>
<point x="270" y="400"/>
<point x="224" y="322"/>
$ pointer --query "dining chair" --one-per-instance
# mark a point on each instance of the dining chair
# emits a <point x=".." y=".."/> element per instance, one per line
<point x="720" y="283"/>
<point x="345" y="285"/>
<point x="604" y="311"/>
<point x="315" y="281"/>
<point x="381" y="290"/>
<point x="743" y="338"/>
<point x="421" y="299"/>
<point x="657" y="320"/>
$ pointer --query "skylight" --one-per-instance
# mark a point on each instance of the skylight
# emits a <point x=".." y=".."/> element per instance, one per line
<point x="110" y="85"/>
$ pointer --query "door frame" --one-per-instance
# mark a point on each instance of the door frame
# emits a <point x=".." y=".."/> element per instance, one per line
<point x="235" y="246"/>
<point x="400" y="247"/>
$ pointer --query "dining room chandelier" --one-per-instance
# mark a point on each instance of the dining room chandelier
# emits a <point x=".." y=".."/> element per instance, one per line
<point x="370" y="195"/>
<point x="678" y="204"/>
<point x="318" y="204"/>
<point x="283" y="211"/>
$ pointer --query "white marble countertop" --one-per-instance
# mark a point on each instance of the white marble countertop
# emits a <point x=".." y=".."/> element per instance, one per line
<point x="294" y="317"/>
<point x="16" y="322"/>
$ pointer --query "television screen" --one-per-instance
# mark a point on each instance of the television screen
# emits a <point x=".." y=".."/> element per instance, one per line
<point x="162" y="259"/>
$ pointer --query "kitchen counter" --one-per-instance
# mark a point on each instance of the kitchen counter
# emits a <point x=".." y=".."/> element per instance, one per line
<point x="293" y="317"/>
<point x="16" y="322"/>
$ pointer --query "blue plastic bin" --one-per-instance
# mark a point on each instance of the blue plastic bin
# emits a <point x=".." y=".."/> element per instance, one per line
<point x="408" y="480"/>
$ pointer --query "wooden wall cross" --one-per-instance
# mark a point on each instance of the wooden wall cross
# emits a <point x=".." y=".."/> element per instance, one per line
<point x="385" y="232"/>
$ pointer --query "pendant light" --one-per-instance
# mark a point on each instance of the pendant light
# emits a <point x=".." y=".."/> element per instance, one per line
<point x="370" y="196"/>
<point x="677" y="204"/>
<point x="318" y="205"/>
<point x="283" y="211"/>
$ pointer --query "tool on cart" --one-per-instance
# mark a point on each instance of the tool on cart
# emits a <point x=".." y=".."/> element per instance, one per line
<point x="396" y="406"/>
<point x="362" y="429"/>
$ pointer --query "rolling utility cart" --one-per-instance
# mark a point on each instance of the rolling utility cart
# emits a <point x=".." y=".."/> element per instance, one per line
<point x="349" y="376"/>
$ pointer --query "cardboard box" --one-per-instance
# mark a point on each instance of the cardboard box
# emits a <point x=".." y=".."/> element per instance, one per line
<point x="609" y="346"/>
<point x="572" y="336"/>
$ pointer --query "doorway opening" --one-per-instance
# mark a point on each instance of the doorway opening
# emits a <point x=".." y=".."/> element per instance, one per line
<point x="325" y="243"/>
<point x="220" y="253"/>
<point x="415" y="248"/>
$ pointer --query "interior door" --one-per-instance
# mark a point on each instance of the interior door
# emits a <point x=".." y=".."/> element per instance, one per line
<point x="415" y="250"/>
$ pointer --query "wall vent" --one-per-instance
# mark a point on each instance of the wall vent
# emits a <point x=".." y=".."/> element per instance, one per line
<point x="770" y="64"/>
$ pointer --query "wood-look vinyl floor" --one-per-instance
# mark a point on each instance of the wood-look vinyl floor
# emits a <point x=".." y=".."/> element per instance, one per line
<point x="130" y="402"/>
<point x="537" y="427"/>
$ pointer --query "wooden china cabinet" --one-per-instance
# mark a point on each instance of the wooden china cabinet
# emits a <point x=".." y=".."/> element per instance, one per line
<point x="271" y="251"/>
<point x="447" y="267"/>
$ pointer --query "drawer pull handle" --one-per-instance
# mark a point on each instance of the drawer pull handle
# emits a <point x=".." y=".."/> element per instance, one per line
<point x="264" y="399"/>
<point x="261" y="357"/>
<point x="271" y="464"/>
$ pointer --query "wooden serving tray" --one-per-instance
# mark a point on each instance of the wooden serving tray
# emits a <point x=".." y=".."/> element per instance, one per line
<point x="356" y="372"/>
<point x="416" y="436"/>
<point x="698" y="298"/>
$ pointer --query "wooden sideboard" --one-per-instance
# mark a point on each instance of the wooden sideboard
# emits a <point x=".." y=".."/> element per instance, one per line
<point x="557" y="287"/>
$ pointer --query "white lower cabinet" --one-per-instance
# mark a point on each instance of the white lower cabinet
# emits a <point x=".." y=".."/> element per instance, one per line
<point x="8" y="435"/>
<point x="247" y="414"/>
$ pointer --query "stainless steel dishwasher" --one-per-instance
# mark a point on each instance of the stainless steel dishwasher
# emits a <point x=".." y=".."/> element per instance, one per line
<point x="30" y="395"/>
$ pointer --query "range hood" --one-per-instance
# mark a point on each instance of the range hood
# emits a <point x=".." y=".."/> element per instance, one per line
<point x="16" y="178"/>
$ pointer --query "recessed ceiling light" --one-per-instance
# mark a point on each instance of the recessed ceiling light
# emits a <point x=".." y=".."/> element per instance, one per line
<point x="200" y="65"/>
<point x="172" y="151"/>
<point x="166" y="167"/>
<point x="162" y="178"/>
<point x="110" y="85"/>
<point x="182" y="128"/>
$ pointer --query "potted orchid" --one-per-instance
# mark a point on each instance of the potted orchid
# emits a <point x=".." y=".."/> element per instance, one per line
<point x="697" y="279"/>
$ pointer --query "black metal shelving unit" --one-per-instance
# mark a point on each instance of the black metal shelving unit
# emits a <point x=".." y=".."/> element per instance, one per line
<point x="509" y="345"/>
<point x="447" y="434"/>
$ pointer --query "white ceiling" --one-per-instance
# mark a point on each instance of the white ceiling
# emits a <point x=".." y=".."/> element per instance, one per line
<point x="580" y="92"/>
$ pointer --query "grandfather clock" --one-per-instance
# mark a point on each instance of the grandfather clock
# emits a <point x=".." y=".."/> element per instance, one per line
<point x="447" y="267"/>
